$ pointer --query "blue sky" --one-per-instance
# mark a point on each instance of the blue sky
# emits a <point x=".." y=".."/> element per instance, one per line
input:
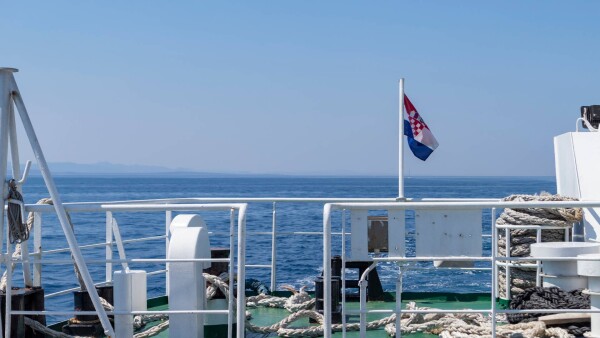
<point x="303" y="87"/>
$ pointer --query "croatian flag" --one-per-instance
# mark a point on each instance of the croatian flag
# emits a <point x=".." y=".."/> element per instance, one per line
<point x="420" y="139"/>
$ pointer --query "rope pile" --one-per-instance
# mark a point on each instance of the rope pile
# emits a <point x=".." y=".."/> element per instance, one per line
<point x="548" y="298"/>
<point x="521" y="239"/>
<point x="461" y="325"/>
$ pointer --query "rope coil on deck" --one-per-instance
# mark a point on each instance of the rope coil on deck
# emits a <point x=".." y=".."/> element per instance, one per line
<point x="445" y="325"/>
<point x="520" y="239"/>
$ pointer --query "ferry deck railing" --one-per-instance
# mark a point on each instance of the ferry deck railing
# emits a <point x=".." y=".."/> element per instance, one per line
<point x="168" y="206"/>
<point x="37" y="258"/>
<point x="493" y="257"/>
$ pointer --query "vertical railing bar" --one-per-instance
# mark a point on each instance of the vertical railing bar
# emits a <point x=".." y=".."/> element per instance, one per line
<point x="494" y="270"/>
<point x="494" y="248"/>
<point x="327" y="271"/>
<point x="363" y="284"/>
<point x="274" y="249"/>
<point x="231" y="274"/>
<point x="507" y="265"/>
<point x="37" y="248"/>
<point x="9" y="276"/>
<point x="399" y="300"/>
<point x="241" y="273"/>
<point x="343" y="273"/>
<point x="168" y="219"/>
<point x="109" y="247"/>
<point x="538" y="277"/>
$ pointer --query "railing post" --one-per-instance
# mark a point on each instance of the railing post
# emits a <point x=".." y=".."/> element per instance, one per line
<point x="399" y="301"/>
<point x="168" y="220"/>
<point x="327" y="271"/>
<point x="494" y="247"/>
<point x="37" y="248"/>
<point x="363" y="307"/>
<point x="231" y="272"/>
<point x="343" y="273"/>
<point x="109" y="247"/>
<point x="507" y="263"/>
<point x="274" y="250"/>
<point x="241" y="273"/>
<point x="9" y="272"/>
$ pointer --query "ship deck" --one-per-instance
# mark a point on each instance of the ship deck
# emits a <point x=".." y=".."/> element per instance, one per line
<point x="267" y="316"/>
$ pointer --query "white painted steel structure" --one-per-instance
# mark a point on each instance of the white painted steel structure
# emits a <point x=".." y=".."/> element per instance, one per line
<point x="236" y="233"/>
<point x="40" y="257"/>
<point x="402" y="259"/>
<point x="240" y="236"/>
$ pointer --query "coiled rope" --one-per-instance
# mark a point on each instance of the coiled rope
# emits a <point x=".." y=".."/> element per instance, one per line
<point x="445" y="325"/>
<point x="521" y="277"/>
<point x="18" y="230"/>
<point x="548" y="298"/>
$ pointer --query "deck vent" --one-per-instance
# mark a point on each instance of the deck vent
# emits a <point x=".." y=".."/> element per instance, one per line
<point x="591" y="114"/>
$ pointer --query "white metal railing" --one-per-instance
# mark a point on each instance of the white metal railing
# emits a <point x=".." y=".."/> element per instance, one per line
<point x="182" y="203"/>
<point x="39" y="256"/>
<point x="168" y="206"/>
<point x="496" y="260"/>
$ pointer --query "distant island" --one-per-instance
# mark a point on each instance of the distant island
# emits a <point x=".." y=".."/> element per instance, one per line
<point x="129" y="170"/>
<point x="115" y="169"/>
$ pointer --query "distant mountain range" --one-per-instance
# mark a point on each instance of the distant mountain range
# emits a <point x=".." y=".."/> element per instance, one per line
<point x="114" y="169"/>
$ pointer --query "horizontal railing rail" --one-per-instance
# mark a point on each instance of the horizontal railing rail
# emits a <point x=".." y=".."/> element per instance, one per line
<point x="168" y="206"/>
<point x="493" y="257"/>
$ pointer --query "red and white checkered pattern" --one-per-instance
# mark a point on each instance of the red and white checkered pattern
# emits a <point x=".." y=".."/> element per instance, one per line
<point x="416" y="122"/>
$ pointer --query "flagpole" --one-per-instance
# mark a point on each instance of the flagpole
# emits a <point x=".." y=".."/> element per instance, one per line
<point x="401" y="139"/>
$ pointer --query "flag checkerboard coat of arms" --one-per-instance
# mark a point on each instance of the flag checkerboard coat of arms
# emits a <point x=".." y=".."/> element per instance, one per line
<point x="420" y="139"/>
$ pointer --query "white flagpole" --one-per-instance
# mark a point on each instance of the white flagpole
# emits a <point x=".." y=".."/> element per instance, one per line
<point x="401" y="139"/>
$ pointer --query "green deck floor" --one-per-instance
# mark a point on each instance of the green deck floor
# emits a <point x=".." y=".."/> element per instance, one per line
<point x="268" y="316"/>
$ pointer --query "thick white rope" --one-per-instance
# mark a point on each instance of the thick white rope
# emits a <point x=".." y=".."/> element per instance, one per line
<point x="521" y="239"/>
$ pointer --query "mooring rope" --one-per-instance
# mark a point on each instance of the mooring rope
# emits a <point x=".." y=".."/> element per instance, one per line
<point x="18" y="230"/>
<point x="548" y="298"/>
<point x="563" y="217"/>
<point x="521" y="277"/>
<point x="461" y="325"/>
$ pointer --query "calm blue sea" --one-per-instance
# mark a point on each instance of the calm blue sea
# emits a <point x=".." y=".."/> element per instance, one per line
<point x="298" y="257"/>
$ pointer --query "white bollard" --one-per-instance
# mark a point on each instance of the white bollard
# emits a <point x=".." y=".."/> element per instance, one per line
<point x="187" y="288"/>
<point x="129" y="295"/>
<point x="563" y="274"/>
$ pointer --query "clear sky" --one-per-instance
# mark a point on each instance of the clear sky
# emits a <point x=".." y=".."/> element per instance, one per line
<point x="303" y="87"/>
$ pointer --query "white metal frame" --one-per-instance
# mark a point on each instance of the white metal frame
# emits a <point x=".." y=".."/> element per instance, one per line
<point x="430" y="205"/>
<point x="236" y="239"/>
<point x="175" y="205"/>
<point x="10" y="96"/>
<point x="39" y="256"/>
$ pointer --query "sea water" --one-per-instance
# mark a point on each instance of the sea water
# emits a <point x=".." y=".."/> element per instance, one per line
<point x="299" y="257"/>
